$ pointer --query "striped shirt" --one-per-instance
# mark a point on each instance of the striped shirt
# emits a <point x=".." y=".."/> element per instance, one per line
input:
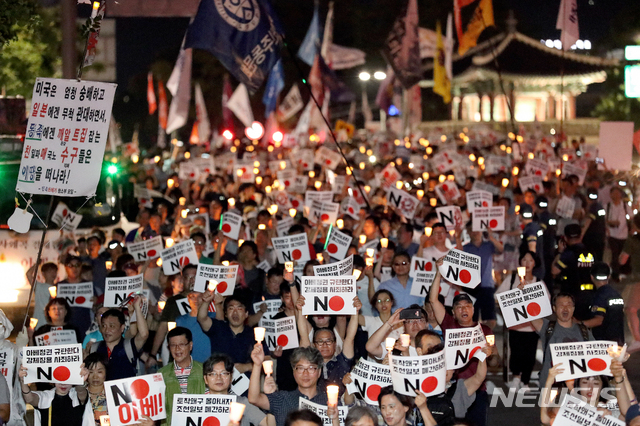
<point x="182" y="374"/>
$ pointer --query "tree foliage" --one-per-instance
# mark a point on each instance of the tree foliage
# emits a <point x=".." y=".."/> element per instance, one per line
<point x="15" y="14"/>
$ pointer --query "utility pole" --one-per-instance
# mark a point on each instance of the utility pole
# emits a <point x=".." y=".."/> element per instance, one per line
<point x="69" y="12"/>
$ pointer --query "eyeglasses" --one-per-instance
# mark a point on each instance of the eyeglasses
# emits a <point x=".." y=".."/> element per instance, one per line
<point x="302" y="369"/>
<point x="223" y="374"/>
<point x="404" y="263"/>
<point x="178" y="345"/>
<point x="383" y="300"/>
<point x="324" y="342"/>
<point x="74" y="265"/>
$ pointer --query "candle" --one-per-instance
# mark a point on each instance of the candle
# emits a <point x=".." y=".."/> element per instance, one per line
<point x="262" y="226"/>
<point x="170" y="183"/>
<point x="369" y="261"/>
<point x="33" y="322"/>
<point x="357" y="273"/>
<point x="317" y="184"/>
<point x="293" y="212"/>
<point x="340" y="223"/>
<point x="236" y="411"/>
<point x="552" y="394"/>
<point x="312" y="174"/>
<point x="171" y="325"/>
<point x="104" y="421"/>
<point x="362" y="239"/>
<point x="370" y="252"/>
<point x="288" y="266"/>
<point x="420" y="194"/>
<point x="232" y="202"/>
<point x="491" y="339"/>
<point x="384" y="242"/>
<point x="108" y="264"/>
<point x="170" y="242"/>
<point x="505" y="182"/>
<point x="428" y="230"/>
<point x="332" y="395"/>
<point x="161" y="305"/>
<point x="259" y="333"/>
<point x="320" y="257"/>
<point x="433" y="202"/>
<point x="267" y="190"/>
<point x="522" y="271"/>
<point x="184" y="213"/>
<point x="212" y="285"/>
<point x="159" y="262"/>
<point x="183" y="201"/>
<point x="240" y="242"/>
<point x="389" y="343"/>
<point x="405" y="340"/>
<point x="273" y="209"/>
<point x="225" y="262"/>
<point x="53" y="291"/>
<point x="268" y="367"/>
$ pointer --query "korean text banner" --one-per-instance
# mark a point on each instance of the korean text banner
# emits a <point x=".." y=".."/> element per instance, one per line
<point x="522" y="306"/>
<point x="368" y="379"/>
<point x="117" y="290"/>
<point x="53" y="364"/>
<point x="427" y="374"/>
<point x="66" y="136"/>
<point x="582" y="359"/>
<point x="201" y="409"/>
<point x="321" y="411"/>
<point x="130" y="399"/>
<point x="328" y="295"/>
<point x="576" y="412"/>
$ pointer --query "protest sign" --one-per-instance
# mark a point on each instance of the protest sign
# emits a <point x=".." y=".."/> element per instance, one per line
<point x="535" y="167"/>
<point x="488" y="219"/>
<point x="582" y="359"/>
<point x="589" y="152"/>
<point x="482" y="186"/>
<point x="178" y="256"/>
<point x="305" y="158"/>
<point x="326" y="213"/>
<point x="569" y="169"/>
<point x="420" y="264"/>
<point x="389" y="176"/>
<point x="402" y="201"/>
<point x="273" y="307"/>
<point x="321" y="411"/>
<point x="427" y="374"/>
<point x="450" y="217"/>
<point x="447" y="192"/>
<point x="290" y="105"/>
<point x="57" y="336"/>
<point x="337" y="269"/>
<point x="202" y="410"/>
<point x="531" y="182"/>
<point x="78" y="295"/>
<point x="239" y="383"/>
<point x="478" y="198"/>
<point x="7" y="364"/>
<point x="286" y="177"/>
<point x="65" y="218"/>
<point x="519" y="307"/>
<point x="327" y="158"/>
<point x="320" y="196"/>
<point x="299" y="184"/>
<point x="495" y="164"/>
<point x="462" y="344"/>
<point x="53" y="364"/>
<point x="444" y="161"/>
<point x="338" y="243"/>
<point x="577" y="412"/>
<point x="224" y="276"/>
<point x="351" y="207"/>
<point x="65" y="138"/>
<point x="565" y="207"/>
<point x="230" y="225"/>
<point x="183" y="306"/>
<point x="292" y="247"/>
<point x="280" y="332"/>
<point x="243" y="173"/>
<point x="146" y="250"/>
<point x="117" y="290"/>
<point x="328" y="295"/>
<point x="282" y="228"/>
<point x="131" y="398"/>
<point x="373" y="244"/>
<point x="461" y="268"/>
<point x="281" y="199"/>
<point x="368" y="379"/>
<point x="422" y="282"/>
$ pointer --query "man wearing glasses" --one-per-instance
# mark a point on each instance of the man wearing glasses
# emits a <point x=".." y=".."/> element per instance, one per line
<point x="183" y="375"/>
<point x="218" y="372"/>
<point x="307" y="366"/>
<point x="400" y="284"/>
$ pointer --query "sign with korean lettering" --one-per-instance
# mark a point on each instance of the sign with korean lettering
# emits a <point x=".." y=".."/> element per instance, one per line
<point x="450" y="216"/>
<point x="338" y="244"/>
<point x="66" y="135"/>
<point x="422" y="282"/>
<point x="420" y="264"/>
<point x="531" y="182"/>
<point x="426" y="373"/>
<point x="577" y="412"/>
<point x="519" y="307"/>
<point x="117" y="290"/>
<point x="462" y="344"/>
<point x="368" y="379"/>
<point x="488" y="219"/>
<point x="461" y="268"/>
<point x="57" y="337"/>
<point x="273" y="307"/>
<point x="351" y="207"/>
<point x="327" y="213"/>
<point x="7" y="363"/>
<point x="582" y="359"/>
<point x="320" y="196"/>
<point x="146" y="250"/>
<point x="327" y="158"/>
<point x="65" y="218"/>
<point x="283" y="226"/>
<point x="321" y="411"/>
<point x="478" y="198"/>
<point x="292" y="247"/>
<point x="286" y="177"/>
<point x="178" y="256"/>
<point x="344" y="267"/>
<point x="565" y="207"/>
<point x="224" y="276"/>
<point x="53" y="364"/>
<point x="78" y="295"/>
<point x="299" y="184"/>
<point x="535" y="167"/>
<point x="495" y="164"/>
<point x="230" y="226"/>
<point x="447" y="192"/>
<point x="239" y="383"/>
<point x="280" y="332"/>
<point x="389" y="176"/>
<point x="444" y="161"/>
<point x="569" y="169"/>
<point x="328" y="295"/>
<point x="131" y="398"/>
<point x="405" y="203"/>
<point x="201" y="410"/>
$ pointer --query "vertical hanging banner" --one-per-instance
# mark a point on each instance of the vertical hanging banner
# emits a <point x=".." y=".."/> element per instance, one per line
<point x="117" y="290"/>
<point x="405" y="203"/>
<point x="461" y="268"/>
<point x="204" y="410"/>
<point x="292" y="247"/>
<point x="582" y="359"/>
<point x="66" y="137"/>
<point x="450" y="216"/>
<point x="338" y="244"/>
<point x="53" y="364"/>
<point x="78" y="295"/>
<point x="344" y="267"/>
<point x="488" y="219"/>
<point x="7" y="364"/>
<point x="462" y="344"/>
<point x="521" y="306"/>
<point x="328" y="295"/>
<point x="477" y="199"/>
<point x="146" y="250"/>
<point x="130" y="399"/>
<point x="224" y="276"/>
<point x="427" y="374"/>
<point x="178" y="256"/>
<point x="368" y="379"/>
<point x="280" y="332"/>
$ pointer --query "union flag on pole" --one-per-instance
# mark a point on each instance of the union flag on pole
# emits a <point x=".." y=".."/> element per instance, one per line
<point x="472" y="17"/>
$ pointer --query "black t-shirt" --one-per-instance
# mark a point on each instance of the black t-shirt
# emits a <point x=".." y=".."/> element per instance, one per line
<point x="608" y="303"/>
<point x="63" y="413"/>
<point x="597" y="228"/>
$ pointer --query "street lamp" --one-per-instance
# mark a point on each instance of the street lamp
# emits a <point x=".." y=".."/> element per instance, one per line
<point x="364" y="76"/>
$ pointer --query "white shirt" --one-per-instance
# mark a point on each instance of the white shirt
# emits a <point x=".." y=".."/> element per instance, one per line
<point x="618" y="212"/>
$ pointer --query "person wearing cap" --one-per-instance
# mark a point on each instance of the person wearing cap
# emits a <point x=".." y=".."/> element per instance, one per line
<point x="594" y="228"/>
<point x="607" y="307"/>
<point x="572" y="269"/>
<point x="617" y="217"/>
<point x="532" y="238"/>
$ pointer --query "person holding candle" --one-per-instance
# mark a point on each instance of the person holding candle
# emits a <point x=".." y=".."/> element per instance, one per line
<point x="96" y="366"/>
<point x="58" y="314"/>
<point x="284" y="378"/>
<point x="382" y="302"/>
<point x="396" y="409"/>
<point x="366" y="284"/>
<point x="81" y="316"/>
<point x="395" y="327"/>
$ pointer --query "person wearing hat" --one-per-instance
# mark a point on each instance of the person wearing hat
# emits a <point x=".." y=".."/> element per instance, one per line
<point x="594" y="228"/>
<point x="532" y="238"/>
<point x="572" y="269"/>
<point x="607" y="307"/>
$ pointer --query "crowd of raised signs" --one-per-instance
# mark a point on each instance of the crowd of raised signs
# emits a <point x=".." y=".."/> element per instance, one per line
<point x="269" y="278"/>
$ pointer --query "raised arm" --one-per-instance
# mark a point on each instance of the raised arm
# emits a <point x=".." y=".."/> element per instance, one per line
<point x="348" y="347"/>
<point x="474" y="382"/>
<point x="255" y="396"/>
<point x="141" y="321"/>
<point x="373" y="345"/>
<point x="303" y="324"/>
<point x="438" y="308"/>
<point x="203" y="311"/>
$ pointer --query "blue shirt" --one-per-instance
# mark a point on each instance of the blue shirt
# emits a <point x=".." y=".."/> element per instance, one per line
<point x="201" y="342"/>
<point x="237" y="346"/>
<point x="400" y="293"/>
<point x="485" y="251"/>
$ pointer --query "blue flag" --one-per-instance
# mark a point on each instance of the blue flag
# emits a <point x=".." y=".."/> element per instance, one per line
<point x="244" y="35"/>
<point x="275" y="84"/>
<point x="311" y="44"/>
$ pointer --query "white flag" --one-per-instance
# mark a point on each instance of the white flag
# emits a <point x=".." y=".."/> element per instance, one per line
<point x="568" y="23"/>
<point x="303" y="122"/>
<point x="345" y="57"/>
<point x="291" y="104"/>
<point x="204" y="127"/>
<point x="179" y="85"/>
<point x="327" y="37"/>
<point x="241" y="106"/>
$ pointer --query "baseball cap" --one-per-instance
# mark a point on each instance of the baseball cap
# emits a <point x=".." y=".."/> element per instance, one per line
<point x="542" y="202"/>
<point x="601" y="271"/>
<point x="572" y="231"/>
<point x="526" y="211"/>
<point x="462" y="297"/>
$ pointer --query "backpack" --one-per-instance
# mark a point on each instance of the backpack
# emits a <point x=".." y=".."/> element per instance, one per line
<point x="552" y="328"/>
<point x="128" y="349"/>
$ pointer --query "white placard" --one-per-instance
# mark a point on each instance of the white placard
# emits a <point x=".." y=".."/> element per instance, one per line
<point x="146" y="250"/>
<point x="573" y="169"/>
<point x="478" y="198"/>
<point x="78" y="295"/>
<point x="273" y="307"/>
<point x="616" y="144"/>
<point x="286" y="177"/>
<point x="66" y="135"/>
<point x="230" y="225"/>
<point x="224" y="276"/>
<point x="57" y="337"/>
<point x="420" y="264"/>
<point x="328" y="295"/>
<point x="53" y="364"/>
<point x="283" y="226"/>
<point x="368" y="379"/>
<point x="519" y="307"/>
<point x="281" y="332"/>
<point x="461" y="268"/>
<point x="576" y="412"/>
<point x="589" y="152"/>
<point x="462" y="344"/>
<point x="131" y="398"/>
<point x="337" y="269"/>
<point x="565" y="207"/>
<point x="239" y="383"/>
<point x="388" y="177"/>
<point x="178" y="256"/>
<point x="281" y="198"/>
<point x="531" y="182"/>
<point x="582" y="359"/>
<point x="482" y="186"/>
<point x="427" y="374"/>
<point x="65" y="218"/>
<point x="116" y="290"/>
<point x="338" y="243"/>
<point x="320" y="196"/>
<point x="422" y="282"/>
<point x="488" y="219"/>
<point x="198" y="409"/>
<point x="450" y="217"/>
<point x="292" y="247"/>
<point x="447" y="192"/>
<point x="327" y="213"/>
<point x="443" y="161"/>
<point x="321" y="411"/>
<point x="299" y="185"/>
<point x="183" y="306"/>
<point x="351" y="207"/>
<point x="7" y="364"/>
<point x="405" y="203"/>
<point x="327" y="158"/>
<point x="535" y="167"/>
